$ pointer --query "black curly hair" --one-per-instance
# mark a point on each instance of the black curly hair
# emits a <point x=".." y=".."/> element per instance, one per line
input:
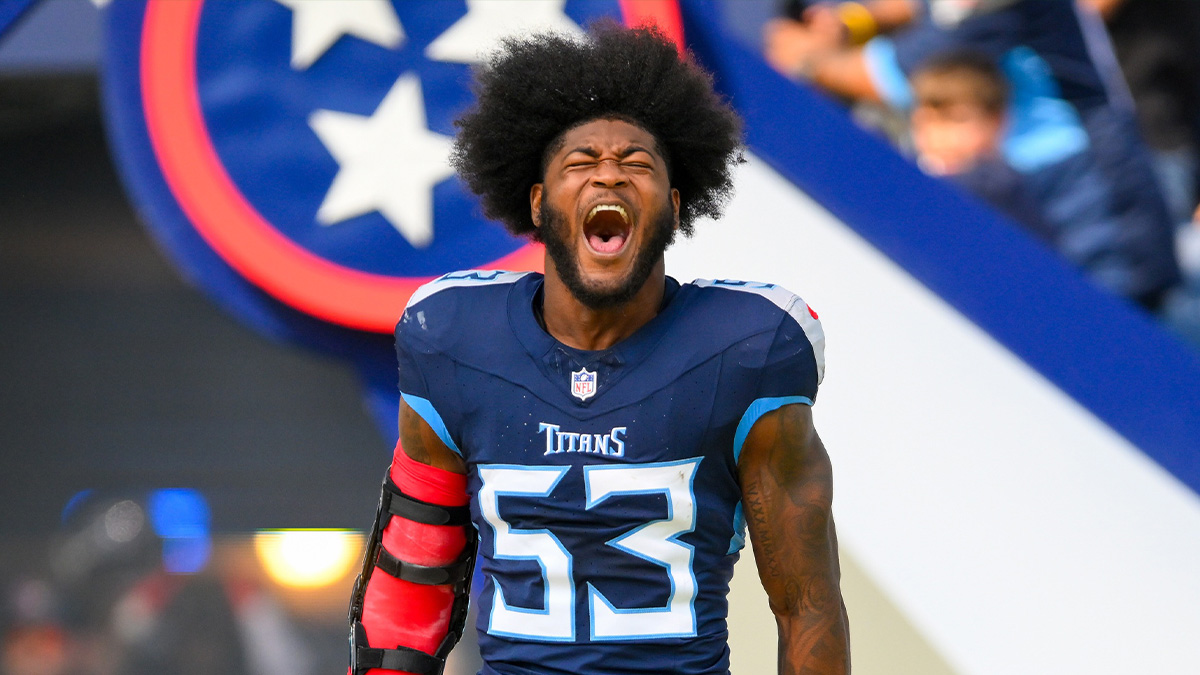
<point x="535" y="89"/>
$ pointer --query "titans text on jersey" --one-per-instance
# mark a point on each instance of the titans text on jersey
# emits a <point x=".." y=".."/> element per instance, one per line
<point x="604" y="484"/>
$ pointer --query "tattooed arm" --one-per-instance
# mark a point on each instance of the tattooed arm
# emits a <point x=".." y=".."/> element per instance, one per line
<point x="422" y="444"/>
<point x="787" y="493"/>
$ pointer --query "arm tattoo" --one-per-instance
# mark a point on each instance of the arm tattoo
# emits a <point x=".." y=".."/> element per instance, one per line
<point x="787" y="494"/>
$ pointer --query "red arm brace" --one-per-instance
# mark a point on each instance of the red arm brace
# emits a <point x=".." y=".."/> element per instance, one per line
<point x="398" y="612"/>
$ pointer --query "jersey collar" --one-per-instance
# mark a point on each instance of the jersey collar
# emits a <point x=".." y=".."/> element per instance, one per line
<point x="557" y="361"/>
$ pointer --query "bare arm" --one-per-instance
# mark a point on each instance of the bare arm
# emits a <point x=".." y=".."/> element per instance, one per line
<point x="421" y="443"/>
<point x="787" y="491"/>
<point x="845" y="74"/>
<point x="892" y="14"/>
<point x="842" y="70"/>
<point x="819" y="48"/>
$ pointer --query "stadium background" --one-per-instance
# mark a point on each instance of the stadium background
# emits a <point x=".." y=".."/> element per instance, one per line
<point x="1016" y="454"/>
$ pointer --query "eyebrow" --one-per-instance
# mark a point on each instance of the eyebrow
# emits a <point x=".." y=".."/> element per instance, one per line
<point x="592" y="152"/>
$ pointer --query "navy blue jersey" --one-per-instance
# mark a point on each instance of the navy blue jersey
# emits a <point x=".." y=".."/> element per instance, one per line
<point x="604" y="483"/>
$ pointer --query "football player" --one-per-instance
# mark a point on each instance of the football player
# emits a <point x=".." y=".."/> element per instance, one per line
<point x="602" y="433"/>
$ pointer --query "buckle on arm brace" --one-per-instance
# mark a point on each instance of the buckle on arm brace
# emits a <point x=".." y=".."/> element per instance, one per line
<point x="457" y="574"/>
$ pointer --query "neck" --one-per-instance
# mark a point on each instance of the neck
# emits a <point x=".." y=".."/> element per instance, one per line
<point x="577" y="325"/>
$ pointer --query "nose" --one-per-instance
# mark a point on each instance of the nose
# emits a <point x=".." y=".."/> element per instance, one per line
<point x="609" y="174"/>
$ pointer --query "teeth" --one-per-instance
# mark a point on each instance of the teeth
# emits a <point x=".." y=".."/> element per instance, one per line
<point x="608" y="207"/>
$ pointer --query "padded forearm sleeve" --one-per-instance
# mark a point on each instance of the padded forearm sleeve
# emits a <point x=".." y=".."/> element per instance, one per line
<point x="397" y="612"/>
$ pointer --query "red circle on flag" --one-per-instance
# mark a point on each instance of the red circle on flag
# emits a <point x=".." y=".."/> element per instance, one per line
<point x="227" y="221"/>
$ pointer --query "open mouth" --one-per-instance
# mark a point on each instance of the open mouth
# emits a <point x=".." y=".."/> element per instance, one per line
<point x="606" y="228"/>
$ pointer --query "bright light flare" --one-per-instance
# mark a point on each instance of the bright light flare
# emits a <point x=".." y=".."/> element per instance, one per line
<point x="308" y="558"/>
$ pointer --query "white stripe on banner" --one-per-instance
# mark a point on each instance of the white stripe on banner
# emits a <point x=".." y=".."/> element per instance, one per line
<point x="1017" y="531"/>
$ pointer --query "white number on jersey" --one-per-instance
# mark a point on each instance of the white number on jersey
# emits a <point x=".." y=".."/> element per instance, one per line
<point x="655" y="541"/>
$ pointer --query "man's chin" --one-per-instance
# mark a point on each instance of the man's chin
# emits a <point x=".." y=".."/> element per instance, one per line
<point x="611" y="281"/>
<point x="602" y="294"/>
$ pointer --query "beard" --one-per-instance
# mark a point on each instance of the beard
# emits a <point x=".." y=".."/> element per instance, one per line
<point x="566" y="262"/>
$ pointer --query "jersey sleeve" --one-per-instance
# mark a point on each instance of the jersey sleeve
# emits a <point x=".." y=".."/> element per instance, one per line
<point x="795" y="362"/>
<point x="426" y="377"/>
<point x="412" y="380"/>
<point x="793" y="368"/>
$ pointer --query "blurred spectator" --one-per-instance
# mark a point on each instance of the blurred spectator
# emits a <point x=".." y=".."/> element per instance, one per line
<point x="957" y="124"/>
<point x="33" y="640"/>
<point x="133" y="617"/>
<point x="202" y="624"/>
<point x="1072" y="134"/>
<point x="958" y="115"/>
<point x="1157" y="45"/>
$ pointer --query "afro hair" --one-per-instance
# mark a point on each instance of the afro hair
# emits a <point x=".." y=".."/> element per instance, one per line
<point x="534" y="89"/>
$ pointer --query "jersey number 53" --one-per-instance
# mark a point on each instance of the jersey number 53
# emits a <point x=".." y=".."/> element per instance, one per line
<point x="655" y="541"/>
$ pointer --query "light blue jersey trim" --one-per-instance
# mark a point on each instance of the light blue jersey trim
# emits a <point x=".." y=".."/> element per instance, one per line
<point x="738" y="542"/>
<point x="756" y="410"/>
<point x="427" y="412"/>
<point x="883" y="67"/>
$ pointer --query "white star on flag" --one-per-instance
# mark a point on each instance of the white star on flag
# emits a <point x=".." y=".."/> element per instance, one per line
<point x="389" y="162"/>
<point x="317" y="24"/>
<point x="487" y="21"/>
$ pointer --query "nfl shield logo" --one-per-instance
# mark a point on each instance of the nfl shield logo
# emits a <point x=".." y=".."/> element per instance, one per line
<point x="583" y="384"/>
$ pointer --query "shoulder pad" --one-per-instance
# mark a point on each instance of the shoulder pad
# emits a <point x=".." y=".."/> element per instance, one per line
<point x="464" y="278"/>
<point x="787" y="301"/>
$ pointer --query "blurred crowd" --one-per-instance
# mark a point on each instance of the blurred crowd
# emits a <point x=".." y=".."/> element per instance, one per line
<point x="105" y="604"/>
<point x="1078" y="119"/>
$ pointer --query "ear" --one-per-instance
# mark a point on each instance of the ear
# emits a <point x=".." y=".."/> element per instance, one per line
<point x="535" y="204"/>
<point x="675" y="205"/>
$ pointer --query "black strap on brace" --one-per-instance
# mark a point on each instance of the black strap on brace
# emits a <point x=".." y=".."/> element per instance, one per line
<point x="396" y="503"/>
<point x="392" y="502"/>
<point x="420" y="574"/>
<point x="401" y="658"/>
